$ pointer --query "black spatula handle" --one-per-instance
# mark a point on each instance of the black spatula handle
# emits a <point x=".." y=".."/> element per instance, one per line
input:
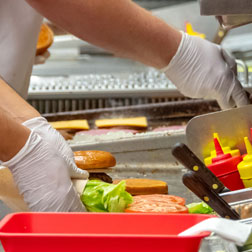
<point x="187" y="158"/>
<point x="209" y="196"/>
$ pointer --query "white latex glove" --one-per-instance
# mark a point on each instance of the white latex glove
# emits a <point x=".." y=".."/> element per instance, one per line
<point x="42" y="177"/>
<point x="200" y="70"/>
<point x="227" y="229"/>
<point x="55" y="140"/>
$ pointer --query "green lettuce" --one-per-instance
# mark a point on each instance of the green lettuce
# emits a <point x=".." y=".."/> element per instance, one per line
<point x="199" y="208"/>
<point x="99" y="196"/>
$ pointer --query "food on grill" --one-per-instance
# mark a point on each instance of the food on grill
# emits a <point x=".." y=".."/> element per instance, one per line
<point x="72" y="124"/>
<point x="94" y="159"/>
<point x="45" y="39"/>
<point x="139" y="122"/>
<point x="136" y="186"/>
<point x="157" y="204"/>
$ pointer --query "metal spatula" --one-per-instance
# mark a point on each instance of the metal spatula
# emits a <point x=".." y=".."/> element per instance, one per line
<point x="231" y="125"/>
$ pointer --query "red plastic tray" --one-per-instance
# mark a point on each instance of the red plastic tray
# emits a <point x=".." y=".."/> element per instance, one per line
<point x="96" y="232"/>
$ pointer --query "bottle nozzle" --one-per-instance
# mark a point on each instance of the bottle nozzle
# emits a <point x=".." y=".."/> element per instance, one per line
<point x="218" y="148"/>
<point x="248" y="145"/>
<point x="216" y="135"/>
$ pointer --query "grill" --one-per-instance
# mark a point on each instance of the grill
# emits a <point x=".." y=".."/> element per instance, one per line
<point x="50" y="94"/>
<point x="71" y="93"/>
<point x="61" y="105"/>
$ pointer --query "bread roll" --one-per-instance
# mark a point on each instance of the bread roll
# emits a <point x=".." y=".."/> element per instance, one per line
<point x="45" y="39"/>
<point x="136" y="186"/>
<point x="94" y="159"/>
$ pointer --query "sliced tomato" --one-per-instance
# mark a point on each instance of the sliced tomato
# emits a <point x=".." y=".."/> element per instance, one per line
<point x="163" y="208"/>
<point x="159" y="198"/>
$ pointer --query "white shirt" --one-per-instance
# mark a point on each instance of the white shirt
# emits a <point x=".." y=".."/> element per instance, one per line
<point x="19" y="29"/>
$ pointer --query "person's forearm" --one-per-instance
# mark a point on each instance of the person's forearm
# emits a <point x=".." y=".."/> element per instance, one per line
<point x="119" y="26"/>
<point x="13" y="136"/>
<point x="14" y="105"/>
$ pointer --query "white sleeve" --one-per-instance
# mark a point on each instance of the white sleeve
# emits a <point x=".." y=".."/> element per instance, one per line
<point x="19" y="29"/>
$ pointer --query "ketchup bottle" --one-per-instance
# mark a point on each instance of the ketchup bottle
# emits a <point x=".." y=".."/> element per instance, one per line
<point x="224" y="166"/>
<point x="226" y="149"/>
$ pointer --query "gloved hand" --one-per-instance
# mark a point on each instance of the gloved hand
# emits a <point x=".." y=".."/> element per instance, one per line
<point x="42" y="177"/>
<point x="231" y="230"/>
<point x="200" y="70"/>
<point x="55" y="140"/>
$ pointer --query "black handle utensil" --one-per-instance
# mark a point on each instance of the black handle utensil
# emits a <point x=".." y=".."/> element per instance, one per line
<point x="205" y="193"/>
<point x="186" y="157"/>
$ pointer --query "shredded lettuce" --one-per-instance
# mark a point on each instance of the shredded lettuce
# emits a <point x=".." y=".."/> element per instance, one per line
<point x="99" y="196"/>
<point x="199" y="208"/>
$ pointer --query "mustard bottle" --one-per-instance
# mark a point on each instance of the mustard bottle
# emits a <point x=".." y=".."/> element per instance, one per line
<point x="245" y="167"/>
<point x="226" y="150"/>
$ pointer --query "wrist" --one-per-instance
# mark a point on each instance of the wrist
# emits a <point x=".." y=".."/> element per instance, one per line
<point x="13" y="138"/>
<point x="34" y="122"/>
<point x="178" y="53"/>
<point x="165" y="59"/>
<point x="22" y="152"/>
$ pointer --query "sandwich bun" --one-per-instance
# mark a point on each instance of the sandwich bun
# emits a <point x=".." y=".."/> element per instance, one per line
<point x="94" y="159"/>
<point x="45" y="39"/>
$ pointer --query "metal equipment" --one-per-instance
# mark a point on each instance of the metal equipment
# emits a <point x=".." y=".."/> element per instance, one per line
<point x="92" y="91"/>
<point x="232" y="125"/>
<point x="50" y="94"/>
<point x="151" y="4"/>
<point x="230" y="13"/>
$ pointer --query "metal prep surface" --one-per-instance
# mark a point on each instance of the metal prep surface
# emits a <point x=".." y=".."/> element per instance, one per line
<point x="145" y="156"/>
<point x="149" y="84"/>
<point x="232" y="130"/>
<point x="225" y="7"/>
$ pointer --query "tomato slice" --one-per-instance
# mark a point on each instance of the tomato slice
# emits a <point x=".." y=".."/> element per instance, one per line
<point x="155" y="207"/>
<point x="159" y="198"/>
<point x="157" y="203"/>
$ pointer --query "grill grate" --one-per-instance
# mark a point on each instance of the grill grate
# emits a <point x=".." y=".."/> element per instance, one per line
<point x="94" y="91"/>
<point x="101" y="85"/>
<point x="71" y="93"/>
<point x="64" y="105"/>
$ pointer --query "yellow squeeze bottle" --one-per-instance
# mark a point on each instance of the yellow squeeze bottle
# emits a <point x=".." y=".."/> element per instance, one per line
<point x="245" y="167"/>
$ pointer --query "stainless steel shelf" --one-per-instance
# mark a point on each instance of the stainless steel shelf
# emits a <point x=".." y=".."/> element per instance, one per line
<point x="146" y="84"/>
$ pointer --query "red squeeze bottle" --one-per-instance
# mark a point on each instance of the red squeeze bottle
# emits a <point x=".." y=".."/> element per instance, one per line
<point x="224" y="167"/>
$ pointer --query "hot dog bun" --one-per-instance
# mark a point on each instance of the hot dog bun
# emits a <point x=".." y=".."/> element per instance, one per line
<point x="94" y="159"/>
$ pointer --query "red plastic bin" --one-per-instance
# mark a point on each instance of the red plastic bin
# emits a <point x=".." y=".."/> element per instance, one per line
<point x="96" y="232"/>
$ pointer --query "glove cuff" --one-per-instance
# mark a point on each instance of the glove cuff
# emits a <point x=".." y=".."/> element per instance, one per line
<point x="34" y="122"/>
<point x="178" y="53"/>
<point x="33" y="140"/>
